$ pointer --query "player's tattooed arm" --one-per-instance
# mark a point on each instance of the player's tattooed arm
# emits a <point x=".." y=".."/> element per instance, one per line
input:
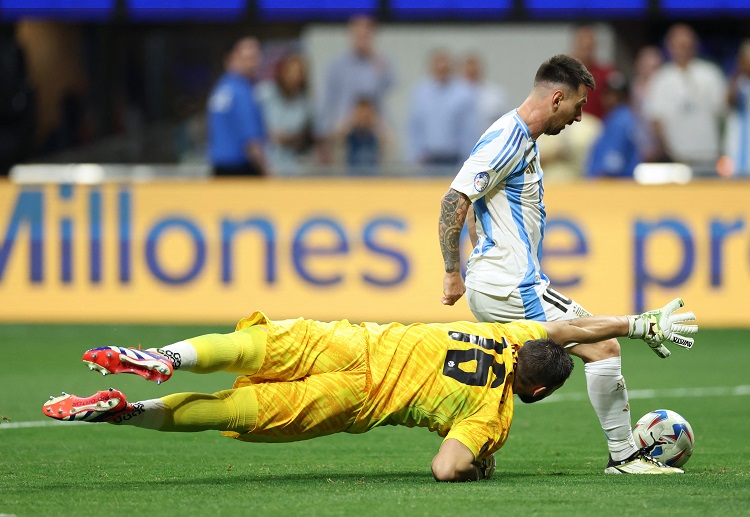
<point x="453" y="210"/>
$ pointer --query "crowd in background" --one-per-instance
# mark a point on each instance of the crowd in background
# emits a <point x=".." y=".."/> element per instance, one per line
<point x="347" y="126"/>
<point x="675" y="107"/>
<point x="670" y="104"/>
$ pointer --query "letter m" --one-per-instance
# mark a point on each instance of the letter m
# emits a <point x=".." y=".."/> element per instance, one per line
<point x="28" y="211"/>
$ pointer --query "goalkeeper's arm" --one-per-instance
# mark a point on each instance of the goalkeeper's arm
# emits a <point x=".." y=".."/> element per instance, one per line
<point x="654" y="327"/>
<point x="455" y="462"/>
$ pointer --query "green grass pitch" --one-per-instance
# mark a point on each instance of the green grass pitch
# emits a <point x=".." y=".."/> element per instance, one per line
<point x="551" y="465"/>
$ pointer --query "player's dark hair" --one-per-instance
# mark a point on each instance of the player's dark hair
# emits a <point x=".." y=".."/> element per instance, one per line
<point x="565" y="70"/>
<point x="542" y="362"/>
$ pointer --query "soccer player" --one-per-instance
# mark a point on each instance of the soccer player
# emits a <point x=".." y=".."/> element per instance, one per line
<point x="302" y="379"/>
<point x="501" y="182"/>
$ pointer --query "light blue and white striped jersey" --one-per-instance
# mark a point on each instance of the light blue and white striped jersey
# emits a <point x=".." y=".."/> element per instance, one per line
<point x="503" y="179"/>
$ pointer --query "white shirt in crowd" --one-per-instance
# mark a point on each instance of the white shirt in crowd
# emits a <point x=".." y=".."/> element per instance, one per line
<point x="689" y="103"/>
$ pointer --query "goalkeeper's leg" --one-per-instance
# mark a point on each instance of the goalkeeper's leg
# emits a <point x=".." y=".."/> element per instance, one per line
<point x="267" y="412"/>
<point x="241" y="352"/>
<point x="238" y="352"/>
<point x="235" y="409"/>
<point x="279" y="351"/>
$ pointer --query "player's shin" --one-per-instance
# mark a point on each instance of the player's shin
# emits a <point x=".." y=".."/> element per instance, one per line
<point x="238" y="352"/>
<point x="182" y="354"/>
<point x="228" y="410"/>
<point x="609" y="397"/>
<point x="148" y="414"/>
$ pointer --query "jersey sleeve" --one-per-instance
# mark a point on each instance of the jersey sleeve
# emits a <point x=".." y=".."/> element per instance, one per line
<point x="524" y="330"/>
<point x="497" y="154"/>
<point x="482" y="433"/>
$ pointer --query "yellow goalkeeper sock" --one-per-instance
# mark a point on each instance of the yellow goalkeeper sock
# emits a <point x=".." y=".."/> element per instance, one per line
<point x="239" y="352"/>
<point x="229" y="410"/>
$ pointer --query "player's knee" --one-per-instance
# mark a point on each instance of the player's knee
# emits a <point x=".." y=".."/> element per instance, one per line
<point x="242" y="408"/>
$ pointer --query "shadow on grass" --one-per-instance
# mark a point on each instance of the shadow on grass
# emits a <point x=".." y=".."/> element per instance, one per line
<point x="264" y="478"/>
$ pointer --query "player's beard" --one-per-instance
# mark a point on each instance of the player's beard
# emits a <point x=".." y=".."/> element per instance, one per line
<point x="555" y="131"/>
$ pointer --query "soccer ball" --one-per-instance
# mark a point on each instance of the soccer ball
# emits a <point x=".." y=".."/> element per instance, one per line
<point x="668" y="434"/>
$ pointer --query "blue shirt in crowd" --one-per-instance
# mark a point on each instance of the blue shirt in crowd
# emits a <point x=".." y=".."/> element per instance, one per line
<point x="615" y="152"/>
<point x="737" y="130"/>
<point x="234" y="121"/>
<point x="442" y="121"/>
<point x="351" y="77"/>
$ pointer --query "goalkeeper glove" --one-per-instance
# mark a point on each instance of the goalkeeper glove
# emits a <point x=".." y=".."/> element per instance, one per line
<point x="656" y="327"/>
<point x="485" y="466"/>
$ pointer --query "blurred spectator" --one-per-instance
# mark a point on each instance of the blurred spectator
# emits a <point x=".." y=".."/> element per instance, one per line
<point x="235" y="126"/>
<point x="737" y="131"/>
<point x="492" y="101"/>
<point x="287" y="114"/>
<point x="360" y="72"/>
<point x="686" y="102"/>
<point x="54" y="54"/>
<point x="585" y="48"/>
<point x="648" y="60"/>
<point x="565" y="155"/>
<point x="17" y="112"/>
<point x="442" y="117"/>
<point x="364" y="137"/>
<point x="189" y="136"/>
<point x="615" y="152"/>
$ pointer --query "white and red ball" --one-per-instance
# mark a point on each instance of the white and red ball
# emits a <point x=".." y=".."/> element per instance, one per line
<point x="668" y="434"/>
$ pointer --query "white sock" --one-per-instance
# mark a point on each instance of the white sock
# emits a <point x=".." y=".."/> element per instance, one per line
<point x="609" y="396"/>
<point x="148" y="414"/>
<point x="182" y="354"/>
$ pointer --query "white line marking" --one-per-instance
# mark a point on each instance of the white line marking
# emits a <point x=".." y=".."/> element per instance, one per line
<point x="662" y="393"/>
<point x="557" y="397"/>
<point x="38" y="423"/>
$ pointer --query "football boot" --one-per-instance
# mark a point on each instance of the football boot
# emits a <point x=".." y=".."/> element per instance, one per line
<point x="640" y="462"/>
<point x="149" y="364"/>
<point x="102" y="406"/>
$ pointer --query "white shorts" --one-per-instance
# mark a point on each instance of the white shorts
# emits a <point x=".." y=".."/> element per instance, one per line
<point x="538" y="302"/>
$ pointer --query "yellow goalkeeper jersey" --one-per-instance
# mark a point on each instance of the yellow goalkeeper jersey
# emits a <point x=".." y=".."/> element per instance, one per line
<point x="453" y="378"/>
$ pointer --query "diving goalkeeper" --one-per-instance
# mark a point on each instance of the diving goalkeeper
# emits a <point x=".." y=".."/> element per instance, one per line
<point x="302" y="379"/>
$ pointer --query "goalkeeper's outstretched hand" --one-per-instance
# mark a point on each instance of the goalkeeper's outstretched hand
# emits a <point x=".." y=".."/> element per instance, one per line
<point x="656" y="327"/>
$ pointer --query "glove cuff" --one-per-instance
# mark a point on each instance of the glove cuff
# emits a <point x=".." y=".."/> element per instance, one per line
<point x="636" y="327"/>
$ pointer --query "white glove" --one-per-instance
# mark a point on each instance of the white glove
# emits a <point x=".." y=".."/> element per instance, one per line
<point x="656" y="327"/>
<point x="486" y="466"/>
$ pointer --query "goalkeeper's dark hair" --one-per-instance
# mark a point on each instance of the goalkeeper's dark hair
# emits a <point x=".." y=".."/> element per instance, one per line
<point x="565" y="70"/>
<point x="542" y="362"/>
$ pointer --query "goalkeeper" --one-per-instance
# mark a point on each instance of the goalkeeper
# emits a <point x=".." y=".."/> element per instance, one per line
<point x="302" y="379"/>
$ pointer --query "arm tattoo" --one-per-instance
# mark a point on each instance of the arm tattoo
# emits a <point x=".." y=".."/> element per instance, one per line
<point x="453" y="209"/>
